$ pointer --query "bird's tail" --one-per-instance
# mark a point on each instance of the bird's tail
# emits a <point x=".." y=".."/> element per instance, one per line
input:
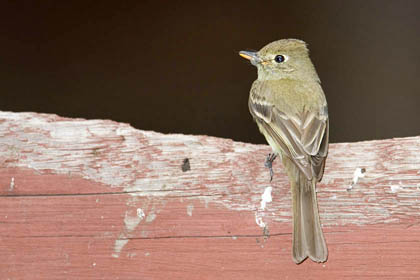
<point x="308" y="239"/>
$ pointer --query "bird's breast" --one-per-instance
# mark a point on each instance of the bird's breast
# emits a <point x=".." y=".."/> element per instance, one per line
<point x="290" y="96"/>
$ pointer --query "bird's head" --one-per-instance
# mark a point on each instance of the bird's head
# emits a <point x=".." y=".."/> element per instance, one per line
<point x="282" y="59"/>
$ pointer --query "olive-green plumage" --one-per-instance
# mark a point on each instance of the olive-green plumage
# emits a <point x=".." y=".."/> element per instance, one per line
<point x="290" y="109"/>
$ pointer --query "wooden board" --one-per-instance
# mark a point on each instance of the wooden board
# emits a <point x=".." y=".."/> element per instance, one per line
<point x="94" y="199"/>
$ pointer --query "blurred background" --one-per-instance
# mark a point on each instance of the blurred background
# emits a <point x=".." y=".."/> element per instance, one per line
<point x="173" y="66"/>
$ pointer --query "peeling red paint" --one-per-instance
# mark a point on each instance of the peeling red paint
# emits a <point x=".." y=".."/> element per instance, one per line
<point x="99" y="199"/>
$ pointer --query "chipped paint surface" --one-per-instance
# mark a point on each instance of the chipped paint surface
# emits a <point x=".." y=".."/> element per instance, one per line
<point x="119" y="244"/>
<point x="225" y="173"/>
<point x="132" y="221"/>
<point x="138" y="213"/>
<point x="151" y="217"/>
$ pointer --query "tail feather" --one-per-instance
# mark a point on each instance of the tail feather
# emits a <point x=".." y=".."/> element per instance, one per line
<point x="308" y="239"/>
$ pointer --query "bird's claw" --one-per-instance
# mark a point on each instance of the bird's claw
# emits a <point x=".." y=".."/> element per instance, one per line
<point x="269" y="164"/>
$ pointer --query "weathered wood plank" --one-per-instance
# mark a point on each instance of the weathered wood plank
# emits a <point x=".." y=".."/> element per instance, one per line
<point x="98" y="199"/>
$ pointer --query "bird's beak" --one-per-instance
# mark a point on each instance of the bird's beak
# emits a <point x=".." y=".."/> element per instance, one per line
<point x="251" y="56"/>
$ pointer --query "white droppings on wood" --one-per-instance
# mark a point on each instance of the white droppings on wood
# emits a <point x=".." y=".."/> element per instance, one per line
<point x="12" y="184"/>
<point x="259" y="213"/>
<point x="358" y="173"/>
<point x="190" y="208"/>
<point x="266" y="197"/>
<point x="259" y="219"/>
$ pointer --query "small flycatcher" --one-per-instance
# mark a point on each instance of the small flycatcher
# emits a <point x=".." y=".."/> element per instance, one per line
<point x="290" y="109"/>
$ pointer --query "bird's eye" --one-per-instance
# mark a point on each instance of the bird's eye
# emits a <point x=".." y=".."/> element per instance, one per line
<point x="279" y="58"/>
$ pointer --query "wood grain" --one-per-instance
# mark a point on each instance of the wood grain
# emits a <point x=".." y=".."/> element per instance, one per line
<point x="96" y="199"/>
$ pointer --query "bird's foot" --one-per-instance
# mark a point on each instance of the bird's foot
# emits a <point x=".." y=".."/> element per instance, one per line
<point x="269" y="164"/>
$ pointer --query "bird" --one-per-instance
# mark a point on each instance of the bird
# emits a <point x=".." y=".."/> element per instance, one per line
<point x="290" y="108"/>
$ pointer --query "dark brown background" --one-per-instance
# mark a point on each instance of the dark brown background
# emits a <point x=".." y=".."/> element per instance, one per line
<point x="172" y="66"/>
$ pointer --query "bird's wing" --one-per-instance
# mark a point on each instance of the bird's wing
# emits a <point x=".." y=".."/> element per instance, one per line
<point x="302" y="137"/>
